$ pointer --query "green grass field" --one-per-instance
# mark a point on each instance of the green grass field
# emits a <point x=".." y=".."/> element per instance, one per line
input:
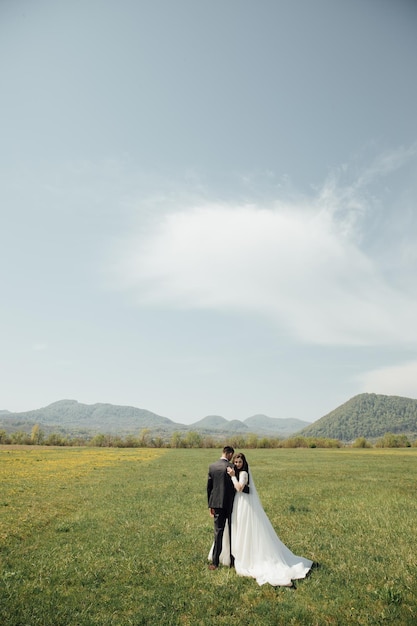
<point x="121" y="536"/>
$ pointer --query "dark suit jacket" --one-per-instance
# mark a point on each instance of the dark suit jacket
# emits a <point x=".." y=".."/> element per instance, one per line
<point x="220" y="489"/>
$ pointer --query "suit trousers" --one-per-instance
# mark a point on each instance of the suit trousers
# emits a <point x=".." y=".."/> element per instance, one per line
<point x="221" y="516"/>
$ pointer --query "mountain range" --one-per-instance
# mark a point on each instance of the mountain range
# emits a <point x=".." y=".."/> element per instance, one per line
<point x="72" y="417"/>
<point x="366" y="415"/>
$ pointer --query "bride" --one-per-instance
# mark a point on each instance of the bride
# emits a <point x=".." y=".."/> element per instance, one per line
<point x="257" y="550"/>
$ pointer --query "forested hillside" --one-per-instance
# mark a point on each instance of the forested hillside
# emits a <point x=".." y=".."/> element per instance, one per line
<point x="77" y="418"/>
<point x="367" y="415"/>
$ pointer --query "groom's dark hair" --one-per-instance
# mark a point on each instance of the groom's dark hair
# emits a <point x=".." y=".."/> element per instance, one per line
<point x="228" y="450"/>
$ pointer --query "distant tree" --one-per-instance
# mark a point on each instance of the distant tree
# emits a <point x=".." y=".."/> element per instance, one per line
<point x="296" y="442"/>
<point x="177" y="440"/>
<point x="114" y="441"/>
<point x="4" y="438"/>
<point x="390" y="440"/>
<point x="361" y="442"/>
<point x="143" y="440"/>
<point x="192" y="439"/>
<point x="77" y="441"/>
<point x="130" y="442"/>
<point x="36" y="435"/>
<point x="99" y="441"/>
<point x="252" y="441"/>
<point x="210" y="442"/>
<point x="263" y="442"/>
<point x="274" y="442"/>
<point x="20" y="438"/>
<point x="55" y="439"/>
<point x="236" y="441"/>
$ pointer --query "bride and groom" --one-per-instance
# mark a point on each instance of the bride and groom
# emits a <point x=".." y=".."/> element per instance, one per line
<point x="243" y="535"/>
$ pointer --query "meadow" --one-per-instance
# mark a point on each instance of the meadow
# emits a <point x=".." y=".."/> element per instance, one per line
<point x="117" y="537"/>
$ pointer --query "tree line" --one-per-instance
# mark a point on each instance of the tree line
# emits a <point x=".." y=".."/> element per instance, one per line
<point x="194" y="439"/>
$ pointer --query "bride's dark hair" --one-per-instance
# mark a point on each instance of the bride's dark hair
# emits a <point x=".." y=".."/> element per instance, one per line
<point x="245" y="466"/>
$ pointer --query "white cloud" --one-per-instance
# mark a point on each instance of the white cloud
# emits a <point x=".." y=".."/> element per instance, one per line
<point x="349" y="198"/>
<point x="399" y="380"/>
<point x="298" y="263"/>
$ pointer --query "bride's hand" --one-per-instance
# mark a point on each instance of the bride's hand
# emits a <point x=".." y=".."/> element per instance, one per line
<point x="231" y="471"/>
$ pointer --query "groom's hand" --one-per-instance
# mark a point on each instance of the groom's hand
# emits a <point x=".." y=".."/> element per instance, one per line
<point x="211" y="511"/>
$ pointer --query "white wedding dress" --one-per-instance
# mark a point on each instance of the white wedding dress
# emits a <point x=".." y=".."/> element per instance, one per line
<point x="257" y="550"/>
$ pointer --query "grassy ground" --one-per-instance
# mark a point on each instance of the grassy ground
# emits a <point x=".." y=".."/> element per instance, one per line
<point x="117" y="537"/>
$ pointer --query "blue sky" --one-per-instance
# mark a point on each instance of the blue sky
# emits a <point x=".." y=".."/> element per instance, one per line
<point x="208" y="207"/>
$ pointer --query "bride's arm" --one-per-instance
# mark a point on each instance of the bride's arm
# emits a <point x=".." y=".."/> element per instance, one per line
<point x="243" y="480"/>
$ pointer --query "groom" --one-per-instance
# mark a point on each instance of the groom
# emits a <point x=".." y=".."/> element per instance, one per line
<point x="220" y="494"/>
